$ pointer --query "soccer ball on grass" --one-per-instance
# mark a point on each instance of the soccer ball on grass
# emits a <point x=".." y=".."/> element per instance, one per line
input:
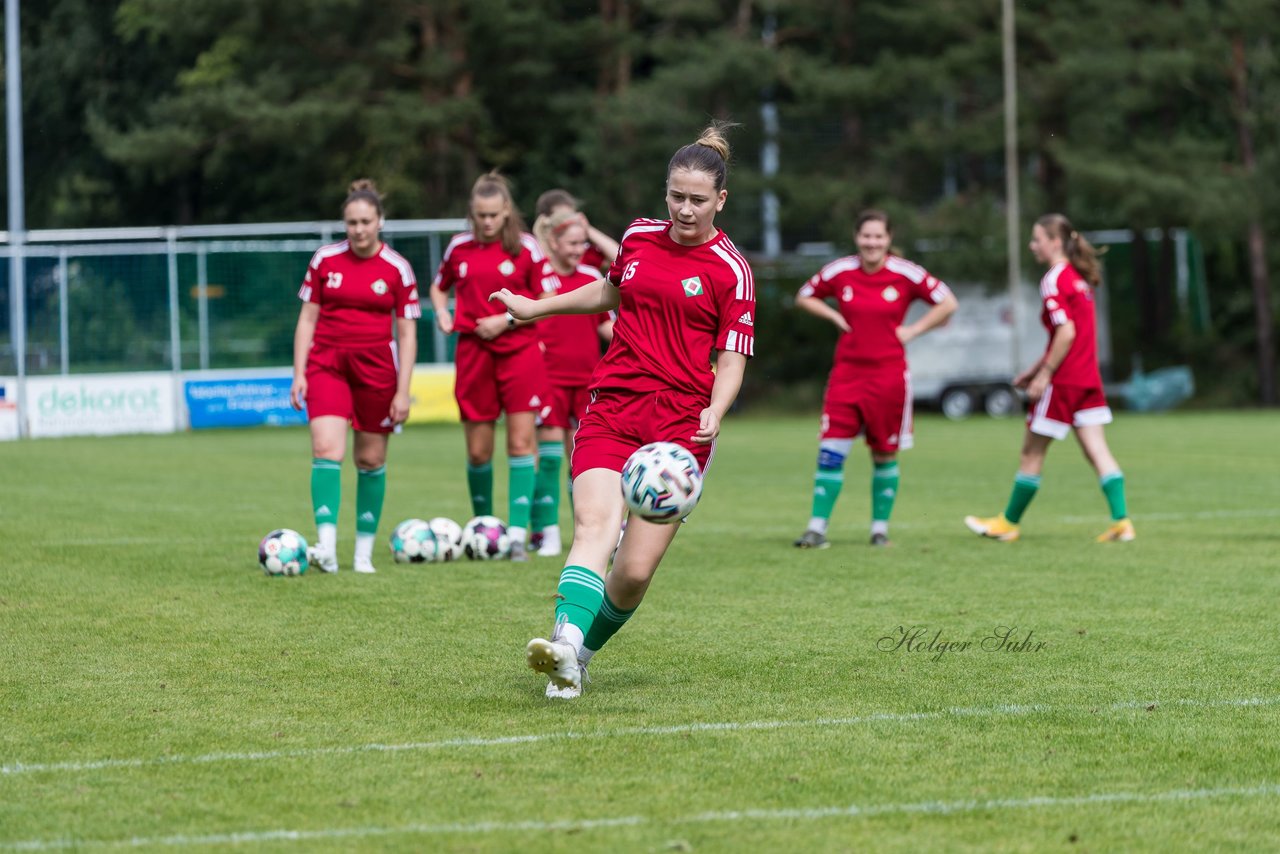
<point x="283" y="552"/>
<point x="486" y="538"/>
<point x="413" y="541"/>
<point x="448" y="538"/>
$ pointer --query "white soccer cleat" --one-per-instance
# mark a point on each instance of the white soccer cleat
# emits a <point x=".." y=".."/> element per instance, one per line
<point x="550" y="545"/>
<point x="325" y="561"/>
<point x="558" y="660"/>
<point x="555" y="692"/>
<point x="363" y="565"/>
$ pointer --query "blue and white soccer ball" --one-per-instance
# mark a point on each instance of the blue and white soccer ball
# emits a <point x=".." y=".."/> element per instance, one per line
<point x="486" y="538"/>
<point x="448" y="538"/>
<point x="283" y="552"/>
<point x="662" y="482"/>
<point x="413" y="541"/>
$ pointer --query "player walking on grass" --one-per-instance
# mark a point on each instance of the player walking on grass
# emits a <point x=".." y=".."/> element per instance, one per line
<point x="571" y="348"/>
<point x="1064" y="385"/>
<point x="348" y="368"/>
<point x="498" y="360"/>
<point x="687" y="301"/>
<point x="869" y="388"/>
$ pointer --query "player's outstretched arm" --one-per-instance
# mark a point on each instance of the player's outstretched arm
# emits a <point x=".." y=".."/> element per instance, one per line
<point x="589" y="299"/>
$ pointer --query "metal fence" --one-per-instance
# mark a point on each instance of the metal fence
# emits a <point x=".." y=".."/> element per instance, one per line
<point x="178" y="298"/>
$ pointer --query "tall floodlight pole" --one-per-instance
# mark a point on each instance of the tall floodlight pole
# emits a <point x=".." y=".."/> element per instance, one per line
<point x="17" y="215"/>
<point x="769" y="155"/>
<point x="1013" y="213"/>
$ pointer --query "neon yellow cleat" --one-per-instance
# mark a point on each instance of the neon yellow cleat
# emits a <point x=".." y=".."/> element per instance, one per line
<point x="1119" y="532"/>
<point x="994" y="527"/>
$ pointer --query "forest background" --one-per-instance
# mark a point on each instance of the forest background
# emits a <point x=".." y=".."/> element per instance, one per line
<point x="1132" y="114"/>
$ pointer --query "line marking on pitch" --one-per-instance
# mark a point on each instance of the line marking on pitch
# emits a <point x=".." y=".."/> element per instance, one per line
<point x="14" y="769"/>
<point x="941" y="808"/>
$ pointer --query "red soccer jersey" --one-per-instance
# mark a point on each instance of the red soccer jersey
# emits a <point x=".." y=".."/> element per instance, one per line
<point x="874" y="305"/>
<point x="478" y="269"/>
<point x="678" y="305"/>
<point x="571" y="342"/>
<point x="357" y="296"/>
<point x="1066" y="296"/>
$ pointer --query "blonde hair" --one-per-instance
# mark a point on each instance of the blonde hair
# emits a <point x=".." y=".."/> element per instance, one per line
<point x="708" y="154"/>
<point x="493" y="184"/>
<point x="363" y="190"/>
<point x="1079" y="251"/>
<point x="547" y="226"/>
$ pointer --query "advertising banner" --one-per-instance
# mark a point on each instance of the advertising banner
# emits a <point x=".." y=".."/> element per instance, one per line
<point x="8" y="409"/>
<point x="431" y="395"/>
<point x="101" y="404"/>
<point x="241" y="402"/>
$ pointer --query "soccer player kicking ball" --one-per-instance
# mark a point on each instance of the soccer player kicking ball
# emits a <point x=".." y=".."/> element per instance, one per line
<point x="869" y="389"/>
<point x="1064" y="385"/>
<point x="687" y="301"/>
<point x="347" y="368"/>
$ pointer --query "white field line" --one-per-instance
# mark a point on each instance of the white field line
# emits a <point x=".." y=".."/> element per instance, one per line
<point x="18" y="768"/>
<point x="726" y="817"/>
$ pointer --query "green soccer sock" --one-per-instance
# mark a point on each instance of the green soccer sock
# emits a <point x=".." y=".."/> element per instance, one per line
<point x="480" y="483"/>
<point x="608" y="620"/>
<point x="1113" y="488"/>
<point x="546" y="490"/>
<point x="371" y="488"/>
<point x="1024" y="489"/>
<point x="581" y="593"/>
<point x="521" y="474"/>
<point x="827" y="484"/>
<point x="326" y="490"/>
<point x="884" y="490"/>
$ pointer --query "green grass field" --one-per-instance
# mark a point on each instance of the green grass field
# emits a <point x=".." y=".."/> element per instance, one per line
<point x="158" y="691"/>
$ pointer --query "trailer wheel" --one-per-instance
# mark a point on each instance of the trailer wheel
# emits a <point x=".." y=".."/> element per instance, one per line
<point x="957" y="403"/>
<point x="1000" y="402"/>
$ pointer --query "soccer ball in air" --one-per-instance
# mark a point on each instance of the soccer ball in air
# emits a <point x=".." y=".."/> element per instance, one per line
<point x="448" y="538"/>
<point x="661" y="482"/>
<point x="485" y="538"/>
<point x="283" y="552"/>
<point x="413" y="541"/>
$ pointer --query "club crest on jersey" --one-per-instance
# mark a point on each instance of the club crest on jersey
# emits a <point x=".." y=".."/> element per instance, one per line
<point x="692" y="287"/>
<point x="890" y="294"/>
<point x="506" y="268"/>
<point x="379" y="287"/>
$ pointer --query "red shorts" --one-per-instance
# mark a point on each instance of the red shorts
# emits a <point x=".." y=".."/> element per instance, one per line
<point x="357" y="385"/>
<point x="565" y="405"/>
<point x="489" y="383"/>
<point x="874" y="403"/>
<point x="1067" y="406"/>
<point x="617" y="423"/>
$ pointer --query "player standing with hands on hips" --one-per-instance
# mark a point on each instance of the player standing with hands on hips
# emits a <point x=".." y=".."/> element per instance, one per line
<point x="348" y="368"/>
<point x="1064" y="385"/>
<point x="869" y="389"/>
<point x="686" y="300"/>
<point x="499" y="361"/>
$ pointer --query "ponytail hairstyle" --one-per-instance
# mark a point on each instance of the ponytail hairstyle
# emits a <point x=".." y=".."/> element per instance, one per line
<point x="709" y="154"/>
<point x="1080" y="252"/>
<point x="549" y="226"/>
<point x="495" y="184"/>
<point x="363" y="190"/>
<point x="552" y="199"/>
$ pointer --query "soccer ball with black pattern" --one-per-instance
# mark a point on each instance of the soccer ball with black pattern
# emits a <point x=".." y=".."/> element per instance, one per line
<point x="486" y="538"/>
<point x="413" y="541"/>
<point x="661" y="482"/>
<point x="283" y="552"/>
<point x="448" y="538"/>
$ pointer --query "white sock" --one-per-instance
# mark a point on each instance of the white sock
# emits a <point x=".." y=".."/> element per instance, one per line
<point x="517" y="534"/>
<point x="569" y="633"/>
<point x="880" y="526"/>
<point x="818" y="524"/>
<point x="364" y="546"/>
<point x="551" y="538"/>
<point x="327" y="538"/>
